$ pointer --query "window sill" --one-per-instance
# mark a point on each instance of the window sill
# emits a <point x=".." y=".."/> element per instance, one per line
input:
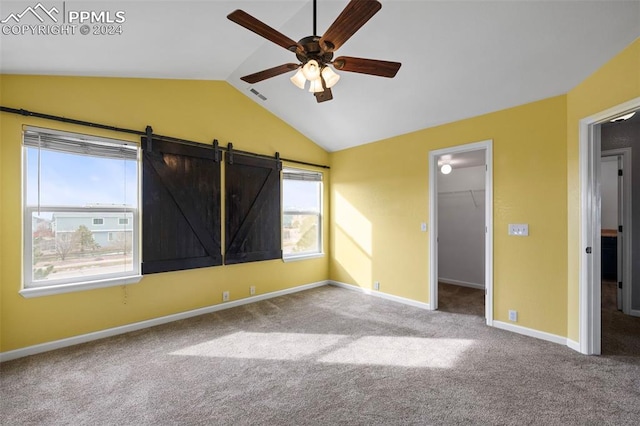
<point x="302" y="257"/>
<point x="81" y="286"/>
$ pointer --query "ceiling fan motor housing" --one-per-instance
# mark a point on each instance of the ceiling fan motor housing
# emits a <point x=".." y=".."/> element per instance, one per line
<point x="312" y="50"/>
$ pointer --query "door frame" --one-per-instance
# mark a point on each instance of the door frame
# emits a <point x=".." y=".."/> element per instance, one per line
<point x="487" y="146"/>
<point x="590" y="321"/>
<point x="624" y="212"/>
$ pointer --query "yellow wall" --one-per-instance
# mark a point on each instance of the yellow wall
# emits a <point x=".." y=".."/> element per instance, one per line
<point x="615" y="83"/>
<point x="380" y="192"/>
<point x="379" y="197"/>
<point x="194" y="110"/>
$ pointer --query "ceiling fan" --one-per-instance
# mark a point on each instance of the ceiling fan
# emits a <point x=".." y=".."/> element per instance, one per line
<point x="315" y="53"/>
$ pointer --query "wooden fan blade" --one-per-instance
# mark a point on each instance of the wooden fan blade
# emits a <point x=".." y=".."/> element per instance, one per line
<point x="242" y="18"/>
<point x="367" y="66"/>
<point x="268" y="73"/>
<point x="354" y="16"/>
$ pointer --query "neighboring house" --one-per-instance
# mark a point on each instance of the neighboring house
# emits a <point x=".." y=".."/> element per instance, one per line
<point x="106" y="227"/>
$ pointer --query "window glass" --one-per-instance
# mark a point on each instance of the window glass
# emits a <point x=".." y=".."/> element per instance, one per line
<point x="302" y="213"/>
<point x="81" y="208"/>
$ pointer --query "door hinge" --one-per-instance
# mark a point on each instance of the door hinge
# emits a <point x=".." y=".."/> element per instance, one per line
<point x="619" y="228"/>
<point x="588" y="250"/>
<point x="620" y="284"/>
<point x="619" y="172"/>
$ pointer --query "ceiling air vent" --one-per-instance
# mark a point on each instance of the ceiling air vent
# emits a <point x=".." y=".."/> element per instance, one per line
<point x="258" y="94"/>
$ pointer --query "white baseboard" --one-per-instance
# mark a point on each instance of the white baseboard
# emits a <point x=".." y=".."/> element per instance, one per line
<point x="382" y="295"/>
<point x="635" y="313"/>
<point x="461" y="283"/>
<point x="84" y="338"/>
<point x="572" y="344"/>
<point x="531" y="332"/>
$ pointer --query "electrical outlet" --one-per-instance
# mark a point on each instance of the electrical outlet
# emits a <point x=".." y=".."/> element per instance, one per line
<point x="225" y="296"/>
<point x="376" y="285"/>
<point x="519" y="229"/>
<point x="252" y="290"/>
<point x="513" y="316"/>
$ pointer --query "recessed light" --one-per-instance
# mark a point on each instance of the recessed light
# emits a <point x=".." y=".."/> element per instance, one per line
<point x="445" y="169"/>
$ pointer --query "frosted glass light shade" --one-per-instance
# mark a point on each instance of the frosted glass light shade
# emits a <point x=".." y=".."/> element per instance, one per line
<point x="298" y="79"/>
<point x="623" y="117"/>
<point x="445" y="169"/>
<point x="311" y="70"/>
<point x="316" y="86"/>
<point x="330" y="77"/>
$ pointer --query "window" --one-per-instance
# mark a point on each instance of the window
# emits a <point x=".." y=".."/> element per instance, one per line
<point x="302" y="213"/>
<point x="78" y="190"/>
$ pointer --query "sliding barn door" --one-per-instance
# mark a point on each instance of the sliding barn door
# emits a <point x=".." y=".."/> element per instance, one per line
<point x="180" y="206"/>
<point x="253" y="230"/>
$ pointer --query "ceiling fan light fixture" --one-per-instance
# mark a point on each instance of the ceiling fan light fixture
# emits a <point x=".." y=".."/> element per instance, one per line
<point x="299" y="79"/>
<point x="330" y="77"/>
<point x="315" y="86"/>
<point x="623" y="117"/>
<point x="311" y="70"/>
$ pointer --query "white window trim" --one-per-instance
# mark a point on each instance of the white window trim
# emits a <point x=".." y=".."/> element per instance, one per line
<point x="80" y="283"/>
<point x="296" y="257"/>
<point x="78" y="286"/>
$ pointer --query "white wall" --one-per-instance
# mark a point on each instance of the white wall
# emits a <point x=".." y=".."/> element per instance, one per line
<point x="609" y="191"/>
<point x="461" y="223"/>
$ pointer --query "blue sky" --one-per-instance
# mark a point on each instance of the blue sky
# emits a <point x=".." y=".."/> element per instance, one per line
<point x="300" y="195"/>
<point x="79" y="180"/>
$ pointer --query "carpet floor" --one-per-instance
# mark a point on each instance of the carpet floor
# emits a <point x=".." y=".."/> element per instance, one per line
<point x="326" y="356"/>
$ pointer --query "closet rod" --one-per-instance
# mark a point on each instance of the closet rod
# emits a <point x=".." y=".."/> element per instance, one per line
<point x="465" y="191"/>
<point x="27" y="113"/>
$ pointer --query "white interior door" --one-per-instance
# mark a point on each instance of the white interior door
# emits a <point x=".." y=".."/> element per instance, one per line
<point x="620" y="245"/>
<point x="588" y="244"/>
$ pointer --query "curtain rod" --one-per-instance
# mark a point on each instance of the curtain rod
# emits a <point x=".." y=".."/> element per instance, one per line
<point x="140" y="133"/>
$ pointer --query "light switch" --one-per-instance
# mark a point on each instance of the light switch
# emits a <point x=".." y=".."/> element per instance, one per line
<point x="423" y="227"/>
<point x="519" y="229"/>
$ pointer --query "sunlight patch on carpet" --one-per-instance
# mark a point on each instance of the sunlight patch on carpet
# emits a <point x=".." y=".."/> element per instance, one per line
<point x="414" y="352"/>
<point x="401" y="352"/>
<point x="279" y="346"/>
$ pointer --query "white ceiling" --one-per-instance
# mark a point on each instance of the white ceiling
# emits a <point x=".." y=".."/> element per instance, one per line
<point x="459" y="58"/>
<point x="461" y="160"/>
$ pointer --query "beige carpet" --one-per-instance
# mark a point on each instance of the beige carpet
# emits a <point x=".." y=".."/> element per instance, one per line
<point x="460" y="300"/>
<point x="620" y="332"/>
<point x="326" y="356"/>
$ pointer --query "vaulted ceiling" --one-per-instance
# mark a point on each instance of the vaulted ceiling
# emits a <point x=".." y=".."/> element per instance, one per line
<point x="459" y="58"/>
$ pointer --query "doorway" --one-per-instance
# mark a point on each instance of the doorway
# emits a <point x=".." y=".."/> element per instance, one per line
<point x="591" y="239"/>
<point x="467" y="268"/>
<point x="615" y="216"/>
